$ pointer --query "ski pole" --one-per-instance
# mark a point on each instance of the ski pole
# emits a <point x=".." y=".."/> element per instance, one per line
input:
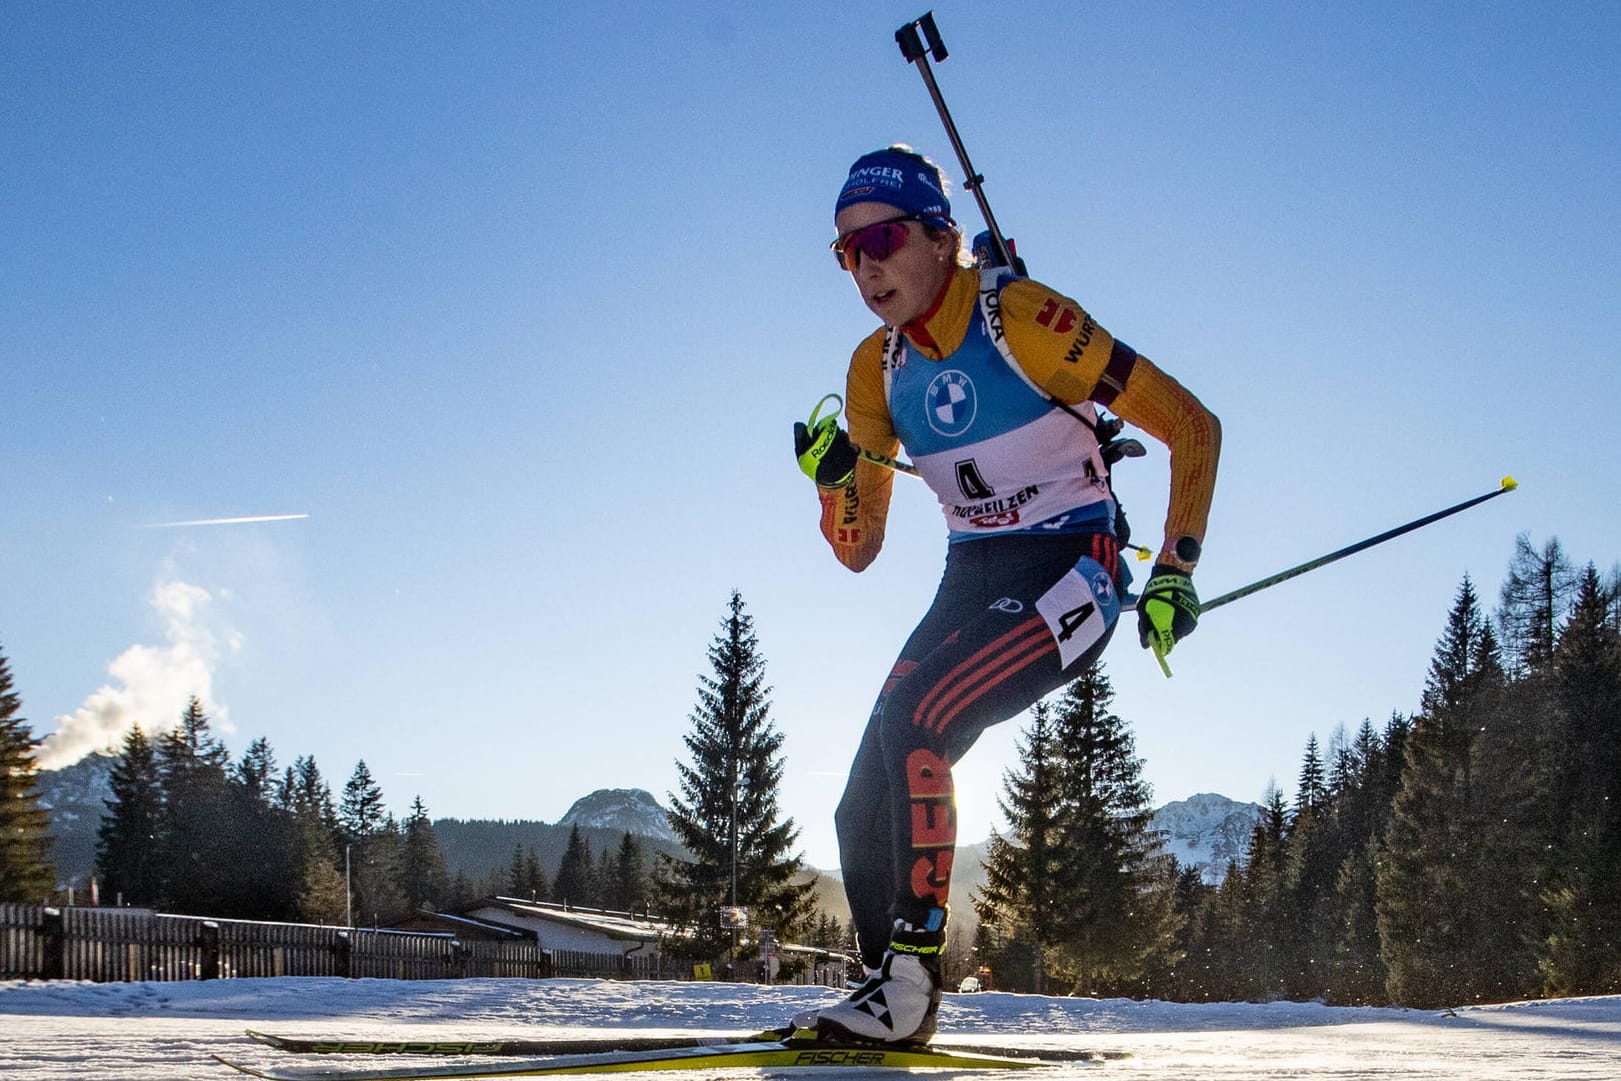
<point x="914" y="50"/>
<point x="1507" y="484"/>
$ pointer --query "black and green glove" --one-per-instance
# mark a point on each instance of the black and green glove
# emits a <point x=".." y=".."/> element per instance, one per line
<point x="1167" y="611"/>
<point x="825" y="453"/>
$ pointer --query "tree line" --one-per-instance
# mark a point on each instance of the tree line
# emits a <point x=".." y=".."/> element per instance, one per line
<point x="1470" y="851"/>
<point x="188" y="831"/>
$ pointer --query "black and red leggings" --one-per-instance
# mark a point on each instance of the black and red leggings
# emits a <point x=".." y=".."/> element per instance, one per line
<point x="1015" y="618"/>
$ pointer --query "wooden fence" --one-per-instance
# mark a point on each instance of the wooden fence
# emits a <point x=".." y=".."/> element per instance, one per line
<point x="113" y="945"/>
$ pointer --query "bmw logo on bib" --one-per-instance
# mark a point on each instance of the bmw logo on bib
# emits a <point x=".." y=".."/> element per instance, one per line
<point x="951" y="403"/>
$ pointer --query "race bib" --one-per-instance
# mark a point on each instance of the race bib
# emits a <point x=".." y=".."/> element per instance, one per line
<point x="1080" y="608"/>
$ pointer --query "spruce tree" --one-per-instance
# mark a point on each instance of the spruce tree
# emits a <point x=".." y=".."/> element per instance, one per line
<point x="362" y="810"/>
<point x="1306" y="912"/>
<point x="128" y="853"/>
<point x="1440" y="943"/>
<point x="256" y="772"/>
<point x="1356" y="973"/>
<point x="374" y="849"/>
<point x="627" y="886"/>
<point x="321" y="884"/>
<point x="1017" y="899"/>
<point x="602" y="879"/>
<point x="1582" y="951"/>
<point x="1081" y="888"/>
<point x="727" y="815"/>
<point x="534" y="877"/>
<point x="1266" y="945"/>
<point x="26" y="873"/>
<point x="576" y="873"/>
<point x="195" y="862"/>
<point x="1117" y="883"/>
<point x="424" y="879"/>
<point x="525" y="878"/>
<point x="1313" y="791"/>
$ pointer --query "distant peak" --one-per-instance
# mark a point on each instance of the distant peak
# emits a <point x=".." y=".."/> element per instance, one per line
<point x="626" y="810"/>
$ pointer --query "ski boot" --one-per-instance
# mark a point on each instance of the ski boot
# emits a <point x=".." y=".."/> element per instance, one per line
<point x="899" y="1000"/>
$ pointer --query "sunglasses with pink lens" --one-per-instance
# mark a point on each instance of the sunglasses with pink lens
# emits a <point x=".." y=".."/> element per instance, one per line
<point x="877" y="241"/>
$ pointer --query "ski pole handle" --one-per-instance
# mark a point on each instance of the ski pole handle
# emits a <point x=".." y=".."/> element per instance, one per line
<point x="820" y="425"/>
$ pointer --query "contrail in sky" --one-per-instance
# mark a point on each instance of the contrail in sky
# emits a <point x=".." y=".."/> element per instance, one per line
<point x="229" y="521"/>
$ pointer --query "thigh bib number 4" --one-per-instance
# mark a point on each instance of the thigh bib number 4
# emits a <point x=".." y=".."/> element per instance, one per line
<point x="1080" y="608"/>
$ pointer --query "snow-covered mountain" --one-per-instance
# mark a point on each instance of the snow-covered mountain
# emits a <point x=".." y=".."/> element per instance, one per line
<point x="624" y="810"/>
<point x="1207" y="831"/>
<point x="77" y="797"/>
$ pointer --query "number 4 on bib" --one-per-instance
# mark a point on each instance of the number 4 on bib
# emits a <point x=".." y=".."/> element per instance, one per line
<point x="1079" y="609"/>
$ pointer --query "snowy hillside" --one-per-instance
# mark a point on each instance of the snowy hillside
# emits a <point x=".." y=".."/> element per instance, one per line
<point x="1207" y="831"/>
<point x="624" y="810"/>
<point x="167" y="1031"/>
<point x="77" y="797"/>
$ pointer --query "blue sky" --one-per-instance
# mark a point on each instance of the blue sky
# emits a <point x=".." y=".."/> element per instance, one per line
<point x="518" y="302"/>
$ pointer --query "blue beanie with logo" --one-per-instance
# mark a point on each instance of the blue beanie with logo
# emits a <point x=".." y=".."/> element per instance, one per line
<point x="903" y="179"/>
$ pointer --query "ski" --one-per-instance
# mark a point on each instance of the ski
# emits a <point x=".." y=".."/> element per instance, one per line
<point x="774" y="1054"/>
<point x="330" y="1045"/>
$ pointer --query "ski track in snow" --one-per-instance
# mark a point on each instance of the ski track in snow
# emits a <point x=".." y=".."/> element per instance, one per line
<point x="55" y="1031"/>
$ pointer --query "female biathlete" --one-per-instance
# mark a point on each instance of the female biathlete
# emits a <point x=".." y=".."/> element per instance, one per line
<point x="990" y="383"/>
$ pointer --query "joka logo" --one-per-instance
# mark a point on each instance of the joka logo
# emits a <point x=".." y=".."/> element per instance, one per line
<point x="950" y="403"/>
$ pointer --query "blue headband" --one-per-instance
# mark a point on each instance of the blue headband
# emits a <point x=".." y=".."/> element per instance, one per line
<point x="902" y="180"/>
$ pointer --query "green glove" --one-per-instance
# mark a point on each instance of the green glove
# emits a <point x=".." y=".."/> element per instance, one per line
<point x="1167" y="611"/>
<point x="825" y="453"/>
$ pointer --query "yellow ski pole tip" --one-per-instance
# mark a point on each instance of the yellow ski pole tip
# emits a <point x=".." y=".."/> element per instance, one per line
<point x="1509" y="484"/>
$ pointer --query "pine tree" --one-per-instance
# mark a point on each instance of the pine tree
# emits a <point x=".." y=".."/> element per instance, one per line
<point x="319" y="843"/>
<point x="362" y="811"/>
<point x="1017" y="900"/>
<point x="374" y="849"/>
<point x="128" y="852"/>
<point x="257" y="770"/>
<point x="1356" y="971"/>
<point x="1533" y="601"/>
<point x="727" y="814"/>
<point x="576" y="872"/>
<point x="322" y="892"/>
<point x="1116" y="880"/>
<point x="1265" y="947"/>
<point x="1582" y="952"/>
<point x="1188" y="976"/>
<point x="516" y="874"/>
<point x="627" y="885"/>
<point x="1306" y="906"/>
<point x="190" y="751"/>
<point x="602" y="879"/>
<point x="424" y="879"/>
<point x="26" y="873"/>
<point x="191" y="763"/>
<point x="1082" y="887"/>
<point x="1438" y="940"/>
<point x="1313" y="791"/>
<point x="534" y="877"/>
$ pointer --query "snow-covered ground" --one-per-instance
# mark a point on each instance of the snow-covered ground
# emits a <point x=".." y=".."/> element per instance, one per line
<point x="150" y="1031"/>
